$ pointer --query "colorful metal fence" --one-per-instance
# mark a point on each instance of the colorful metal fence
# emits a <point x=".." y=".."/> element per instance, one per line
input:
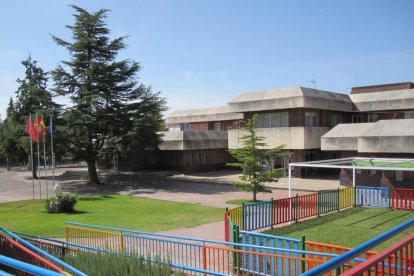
<point x="396" y="260"/>
<point x="392" y="260"/>
<point x="402" y="199"/>
<point x="373" y="196"/>
<point x="63" y="267"/>
<point x="12" y="249"/>
<point x="257" y="215"/>
<point x="306" y="206"/>
<point x="328" y="201"/>
<point x="266" y="214"/>
<point x="256" y="254"/>
<point x="337" y="250"/>
<point x="284" y="210"/>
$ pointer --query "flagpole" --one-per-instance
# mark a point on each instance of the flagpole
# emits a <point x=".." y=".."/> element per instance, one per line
<point x="38" y="155"/>
<point x="44" y="157"/>
<point x="53" y="156"/>
<point x="31" y="156"/>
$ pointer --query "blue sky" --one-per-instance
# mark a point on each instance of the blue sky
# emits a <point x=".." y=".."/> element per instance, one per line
<point x="201" y="53"/>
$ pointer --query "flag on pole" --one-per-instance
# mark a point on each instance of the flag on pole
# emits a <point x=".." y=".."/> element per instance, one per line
<point x="40" y="126"/>
<point x="30" y="130"/>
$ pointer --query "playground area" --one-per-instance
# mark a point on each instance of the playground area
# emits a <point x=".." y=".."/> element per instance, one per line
<point x="241" y="249"/>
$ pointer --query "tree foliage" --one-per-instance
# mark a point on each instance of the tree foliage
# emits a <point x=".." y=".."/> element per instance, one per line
<point x="109" y="109"/>
<point x="32" y="97"/>
<point x="252" y="157"/>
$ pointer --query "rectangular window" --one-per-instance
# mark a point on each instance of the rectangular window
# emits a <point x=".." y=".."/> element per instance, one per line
<point x="185" y="127"/>
<point x="236" y="125"/>
<point x="356" y="118"/>
<point x="372" y="117"/>
<point x="275" y="120"/>
<point x="284" y="119"/>
<point x="174" y="127"/>
<point x="311" y="120"/>
<point x="266" y="120"/>
<point x="217" y="126"/>
<point x="372" y="172"/>
<point x="335" y="119"/>
<point x="409" y="115"/>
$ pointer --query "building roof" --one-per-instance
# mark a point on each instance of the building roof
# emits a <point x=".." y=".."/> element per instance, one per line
<point x="290" y="97"/>
<point x="388" y="136"/>
<point x="220" y="113"/>
<point x="384" y="100"/>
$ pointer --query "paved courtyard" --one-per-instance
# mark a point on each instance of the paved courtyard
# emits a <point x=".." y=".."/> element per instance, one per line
<point x="212" y="189"/>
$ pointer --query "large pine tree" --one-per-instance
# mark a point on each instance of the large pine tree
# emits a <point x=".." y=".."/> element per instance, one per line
<point x="109" y="107"/>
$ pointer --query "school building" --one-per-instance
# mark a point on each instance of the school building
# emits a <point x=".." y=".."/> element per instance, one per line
<point x="312" y="124"/>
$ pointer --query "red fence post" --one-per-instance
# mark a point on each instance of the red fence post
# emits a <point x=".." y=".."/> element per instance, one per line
<point x="226" y="225"/>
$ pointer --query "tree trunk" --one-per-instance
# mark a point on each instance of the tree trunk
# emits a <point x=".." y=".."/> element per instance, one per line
<point x="254" y="193"/>
<point x="93" y="176"/>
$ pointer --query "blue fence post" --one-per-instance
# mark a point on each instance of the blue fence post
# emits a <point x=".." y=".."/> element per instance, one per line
<point x="242" y="218"/>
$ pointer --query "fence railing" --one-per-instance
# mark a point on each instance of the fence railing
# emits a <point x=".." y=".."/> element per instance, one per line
<point x="395" y="260"/>
<point x="402" y="199"/>
<point x="373" y="196"/>
<point x="255" y="254"/>
<point x="64" y="267"/>
<point x="24" y="267"/>
<point x="386" y="259"/>
<point x="14" y="250"/>
<point x="268" y="213"/>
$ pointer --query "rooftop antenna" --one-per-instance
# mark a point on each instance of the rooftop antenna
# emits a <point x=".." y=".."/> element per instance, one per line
<point x="313" y="81"/>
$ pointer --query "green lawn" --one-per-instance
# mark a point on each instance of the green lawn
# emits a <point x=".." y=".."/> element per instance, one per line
<point x="350" y="227"/>
<point x="239" y="201"/>
<point x="128" y="212"/>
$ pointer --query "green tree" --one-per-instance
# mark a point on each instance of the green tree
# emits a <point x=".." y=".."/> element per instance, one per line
<point x="252" y="157"/>
<point x="32" y="97"/>
<point x="110" y="109"/>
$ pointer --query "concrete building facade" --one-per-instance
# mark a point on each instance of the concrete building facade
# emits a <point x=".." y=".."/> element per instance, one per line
<point x="312" y="124"/>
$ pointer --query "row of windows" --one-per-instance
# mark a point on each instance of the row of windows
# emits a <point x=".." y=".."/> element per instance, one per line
<point x="398" y="175"/>
<point x="281" y="119"/>
<point x="270" y="120"/>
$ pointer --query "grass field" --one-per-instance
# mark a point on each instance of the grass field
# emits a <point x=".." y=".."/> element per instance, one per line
<point x="128" y="212"/>
<point x="350" y="227"/>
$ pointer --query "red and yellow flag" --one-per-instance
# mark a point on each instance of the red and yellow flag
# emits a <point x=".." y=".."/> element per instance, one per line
<point x="40" y="126"/>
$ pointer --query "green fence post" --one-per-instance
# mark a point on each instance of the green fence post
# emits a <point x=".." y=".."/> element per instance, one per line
<point x="303" y="254"/>
<point x="318" y="203"/>
<point x="271" y="214"/>
<point x="235" y="240"/>
<point x="355" y="196"/>
<point x="339" y="198"/>
<point x="296" y="208"/>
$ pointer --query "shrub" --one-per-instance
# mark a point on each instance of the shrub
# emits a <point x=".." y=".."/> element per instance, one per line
<point x="112" y="264"/>
<point x="61" y="203"/>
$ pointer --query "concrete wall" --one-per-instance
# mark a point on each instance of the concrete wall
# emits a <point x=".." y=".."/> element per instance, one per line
<point x="291" y="137"/>
<point x="191" y="140"/>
